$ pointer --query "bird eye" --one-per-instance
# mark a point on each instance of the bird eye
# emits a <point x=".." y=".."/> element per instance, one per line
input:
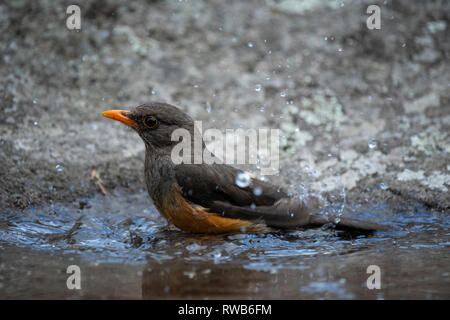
<point x="151" y="122"/>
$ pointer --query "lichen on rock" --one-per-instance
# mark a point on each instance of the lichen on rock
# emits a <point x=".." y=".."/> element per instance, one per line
<point x="430" y="142"/>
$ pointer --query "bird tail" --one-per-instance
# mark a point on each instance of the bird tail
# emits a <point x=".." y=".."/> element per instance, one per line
<point x="290" y="213"/>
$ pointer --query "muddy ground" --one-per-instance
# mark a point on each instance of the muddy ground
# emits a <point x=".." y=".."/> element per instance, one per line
<point x="364" y="114"/>
<point x="317" y="64"/>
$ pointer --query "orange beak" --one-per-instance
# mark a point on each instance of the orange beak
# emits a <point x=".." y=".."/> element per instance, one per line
<point x="120" y="115"/>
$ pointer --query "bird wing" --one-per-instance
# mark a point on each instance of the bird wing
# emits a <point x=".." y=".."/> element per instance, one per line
<point x="204" y="184"/>
<point x="214" y="187"/>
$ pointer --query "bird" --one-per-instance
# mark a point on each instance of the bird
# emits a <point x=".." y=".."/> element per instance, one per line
<point x="203" y="198"/>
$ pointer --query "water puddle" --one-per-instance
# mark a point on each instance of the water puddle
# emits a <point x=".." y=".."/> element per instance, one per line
<point x="121" y="238"/>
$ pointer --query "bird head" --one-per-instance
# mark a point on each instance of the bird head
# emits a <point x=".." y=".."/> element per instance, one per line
<point x="154" y="122"/>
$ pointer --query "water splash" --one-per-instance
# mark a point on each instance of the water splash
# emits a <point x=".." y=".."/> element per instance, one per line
<point x="243" y="179"/>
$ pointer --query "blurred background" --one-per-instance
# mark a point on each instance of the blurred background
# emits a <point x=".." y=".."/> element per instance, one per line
<point x="364" y="119"/>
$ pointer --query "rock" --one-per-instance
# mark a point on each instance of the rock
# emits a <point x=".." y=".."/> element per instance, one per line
<point x="328" y="104"/>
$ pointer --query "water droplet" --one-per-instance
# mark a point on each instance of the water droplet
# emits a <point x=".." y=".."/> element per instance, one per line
<point x="208" y="107"/>
<point x="403" y="45"/>
<point x="282" y="94"/>
<point x="340" y="50"/>
<point x="59" y="168"/>
<point x="258" y="88"/>
<point x="342" y="4"/>
<point x="250" y="45"/>
<point x="153" y="91"/>
<point x="35" y="123"/>
<point x="325" y="38"/>
<point x="372" y="144"/>
<point x="384" y="186"/>
<point x="257" y="191"/>
<point x="195" y="85"/>
<point x="243" y="179"/>
<point x="35" y="101"/>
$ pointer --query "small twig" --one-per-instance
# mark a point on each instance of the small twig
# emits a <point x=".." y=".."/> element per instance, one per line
<point x="98" y="181"/>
